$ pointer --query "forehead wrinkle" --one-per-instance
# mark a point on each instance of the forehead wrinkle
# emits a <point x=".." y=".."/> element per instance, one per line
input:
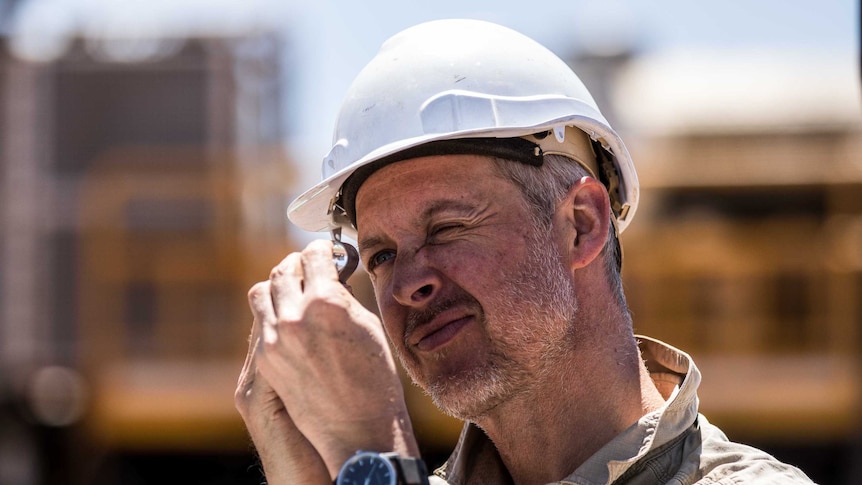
<point x="446" y="205"/>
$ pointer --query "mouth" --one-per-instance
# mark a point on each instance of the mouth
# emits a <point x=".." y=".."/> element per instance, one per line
<point x="438" y="332"/>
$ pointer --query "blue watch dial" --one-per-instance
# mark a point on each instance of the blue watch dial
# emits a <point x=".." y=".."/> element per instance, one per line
<point x="367" y="469"/>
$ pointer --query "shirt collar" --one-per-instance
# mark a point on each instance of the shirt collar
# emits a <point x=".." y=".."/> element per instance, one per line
<point x="677" y="379"/>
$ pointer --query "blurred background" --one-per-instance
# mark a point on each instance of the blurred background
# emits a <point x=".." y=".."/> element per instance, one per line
<point x="148" y="151"/>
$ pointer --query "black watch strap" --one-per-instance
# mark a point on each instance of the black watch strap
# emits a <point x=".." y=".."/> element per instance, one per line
<point x="413" y="470"/>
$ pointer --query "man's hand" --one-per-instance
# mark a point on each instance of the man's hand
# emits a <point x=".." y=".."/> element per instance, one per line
<point x="286" y="455"/>
<point x="327" y="359"/>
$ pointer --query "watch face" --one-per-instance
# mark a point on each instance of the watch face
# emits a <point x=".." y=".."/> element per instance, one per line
<point x="367" y="469"/>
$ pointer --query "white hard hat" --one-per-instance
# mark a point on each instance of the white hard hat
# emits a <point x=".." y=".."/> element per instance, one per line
<point x="464" y="86"/>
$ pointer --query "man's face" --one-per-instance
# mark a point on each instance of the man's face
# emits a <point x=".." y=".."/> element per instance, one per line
<point x="474" y="298"/>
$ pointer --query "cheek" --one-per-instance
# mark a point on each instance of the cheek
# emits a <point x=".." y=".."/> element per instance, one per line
<point x="474" y="269"/>
<point x="388" y="308"/>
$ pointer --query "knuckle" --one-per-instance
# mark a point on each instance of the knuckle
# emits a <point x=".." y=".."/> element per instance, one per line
<point x="287" y="322"/>
<point x="326" y="300"/>
<point x="317" y="245"/>
<point x="258" y="289"/>
<point x="271" y="346"/>
<point x="326" y="306"/>
<point x="276" y="272"/>
<point x="240" y="398"/>
<point x="288" y="266"/>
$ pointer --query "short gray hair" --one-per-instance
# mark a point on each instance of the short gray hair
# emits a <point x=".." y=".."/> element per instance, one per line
<point x="542" y="187"/>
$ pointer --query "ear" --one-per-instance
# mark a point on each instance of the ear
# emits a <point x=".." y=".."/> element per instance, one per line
<point x="584" y="217"/>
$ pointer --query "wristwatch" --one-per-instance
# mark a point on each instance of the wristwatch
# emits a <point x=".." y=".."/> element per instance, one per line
<point x="371" y="468"/>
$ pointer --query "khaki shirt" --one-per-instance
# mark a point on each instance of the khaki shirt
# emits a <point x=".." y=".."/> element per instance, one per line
<point x="673" y="445"/>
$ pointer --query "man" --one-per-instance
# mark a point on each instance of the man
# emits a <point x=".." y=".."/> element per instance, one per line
<point x="486" y="192"/>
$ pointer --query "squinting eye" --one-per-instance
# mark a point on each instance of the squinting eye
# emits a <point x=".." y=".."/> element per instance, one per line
<point x="381" y="258"/>
<point x="442" y="229"/>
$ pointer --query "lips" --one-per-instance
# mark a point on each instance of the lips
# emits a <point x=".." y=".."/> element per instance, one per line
<point x="439" y="331"/>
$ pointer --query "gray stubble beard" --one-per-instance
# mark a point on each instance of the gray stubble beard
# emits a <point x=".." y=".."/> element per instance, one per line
<point x="545" y="298"/>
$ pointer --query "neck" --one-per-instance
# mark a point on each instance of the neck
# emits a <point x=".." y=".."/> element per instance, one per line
<point x="586" y="399"/>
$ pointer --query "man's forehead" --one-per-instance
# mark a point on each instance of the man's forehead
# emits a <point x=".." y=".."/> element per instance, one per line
<point x="425" y="186"/>
<point x="426" y="176"/>
<point x="473" y="151"/>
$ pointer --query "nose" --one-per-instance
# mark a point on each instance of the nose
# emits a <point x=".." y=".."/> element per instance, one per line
<point x="415" y="282"/>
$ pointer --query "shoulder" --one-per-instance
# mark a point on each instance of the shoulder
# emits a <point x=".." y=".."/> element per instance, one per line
<point x="722" y="461"/>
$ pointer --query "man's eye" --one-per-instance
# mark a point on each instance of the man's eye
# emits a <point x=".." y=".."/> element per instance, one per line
<point x="380" y="258"/>
<point x="443" y="228"/>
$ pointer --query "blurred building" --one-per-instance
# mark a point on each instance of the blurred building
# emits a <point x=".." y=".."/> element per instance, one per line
<point x="142" y="191"/>
<point x="747" y="247"/>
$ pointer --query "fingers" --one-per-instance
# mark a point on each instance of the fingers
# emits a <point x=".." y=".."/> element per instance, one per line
<point x="285" y="288"/>
<point x="246" y="375"/>
<point x="300" y="272"/>
<point x="320" y="351"/>
<point x="300" y="277"/>
<point x="317" y="263"/>
<point x="285" y="453"/>
<point x="257" y="297"/>
<point x="265" y="319"/>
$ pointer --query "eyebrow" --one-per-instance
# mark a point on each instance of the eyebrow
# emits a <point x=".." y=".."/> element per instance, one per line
<point x="436" y="207"/>
<point x="446" y="205"/>
<point x="370" y="241"/>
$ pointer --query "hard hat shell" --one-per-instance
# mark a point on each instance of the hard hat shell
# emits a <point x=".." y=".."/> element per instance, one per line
<point x="456" y="79"/>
